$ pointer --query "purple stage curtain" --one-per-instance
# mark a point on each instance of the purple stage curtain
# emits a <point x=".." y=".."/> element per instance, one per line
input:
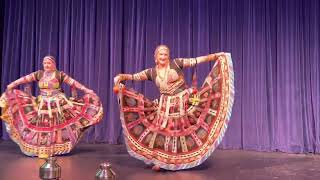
<point x="274" y="46"/>
<point x="1" y="40"/>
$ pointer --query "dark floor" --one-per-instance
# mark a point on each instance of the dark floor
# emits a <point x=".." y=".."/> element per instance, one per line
<point x="84" y="160"/>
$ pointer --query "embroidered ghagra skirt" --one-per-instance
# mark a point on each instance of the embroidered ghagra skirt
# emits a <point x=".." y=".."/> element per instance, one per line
<point x="179" y="131"/>
<point x="48" y="125"/>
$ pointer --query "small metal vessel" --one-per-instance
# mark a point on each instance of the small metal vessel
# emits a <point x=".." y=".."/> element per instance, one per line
<point x="105" y="172"/>
<point x="50" y="170"/>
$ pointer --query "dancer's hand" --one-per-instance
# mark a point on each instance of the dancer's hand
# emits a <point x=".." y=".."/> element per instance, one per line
<point x="117" y="79"/>
<point x="11" y="86"/>
<point x="89" y="91"/>
<point x="219" y="54"/>
<point x="215" y="56"/>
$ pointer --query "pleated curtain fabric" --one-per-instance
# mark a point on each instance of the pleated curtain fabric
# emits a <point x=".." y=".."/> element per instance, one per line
<point x="274" y="46"/>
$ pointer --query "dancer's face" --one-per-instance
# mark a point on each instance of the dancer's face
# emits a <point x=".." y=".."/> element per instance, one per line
<point x="162" y="57"/>
<point x="48" y="65"/>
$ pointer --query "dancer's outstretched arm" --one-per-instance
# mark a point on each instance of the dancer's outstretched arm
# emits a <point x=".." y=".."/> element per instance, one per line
<point x="190" y="62"/>
<point x="73" y="83"/>
<point x="25" y="79"/>
<point x="140" y="76"/>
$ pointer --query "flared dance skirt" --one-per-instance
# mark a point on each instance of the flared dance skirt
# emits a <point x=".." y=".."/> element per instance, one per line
<point x="48" y="125"/>
<point x="179" y="131"/>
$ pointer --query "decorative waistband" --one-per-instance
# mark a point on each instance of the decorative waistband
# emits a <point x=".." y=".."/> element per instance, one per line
<point x="174" y="89"/>
<point x="50" y="93"/>
<point x="181" y="93"/>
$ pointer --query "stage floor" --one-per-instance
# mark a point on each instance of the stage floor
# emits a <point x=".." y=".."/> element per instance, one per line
<point x="84" y="160"/>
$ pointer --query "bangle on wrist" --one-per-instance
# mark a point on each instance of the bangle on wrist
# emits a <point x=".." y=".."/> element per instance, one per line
<point x="211" y="57"/>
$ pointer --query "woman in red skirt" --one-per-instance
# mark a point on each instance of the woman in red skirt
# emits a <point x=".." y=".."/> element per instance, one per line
<point x="183" y="127"/>
<point x="51" y="123"/>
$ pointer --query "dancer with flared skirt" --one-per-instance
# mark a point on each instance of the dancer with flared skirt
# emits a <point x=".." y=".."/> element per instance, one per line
<point x="182" y="128"/>
<point x="51" y="123"/>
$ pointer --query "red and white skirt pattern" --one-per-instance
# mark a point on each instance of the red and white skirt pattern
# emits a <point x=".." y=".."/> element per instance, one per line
<point x="180" y="131"/>
<point x="48" y="125"/>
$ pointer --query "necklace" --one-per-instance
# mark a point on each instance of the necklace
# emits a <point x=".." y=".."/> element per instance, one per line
<point x="49" y="75"/>
<point x="164" y="76"/>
